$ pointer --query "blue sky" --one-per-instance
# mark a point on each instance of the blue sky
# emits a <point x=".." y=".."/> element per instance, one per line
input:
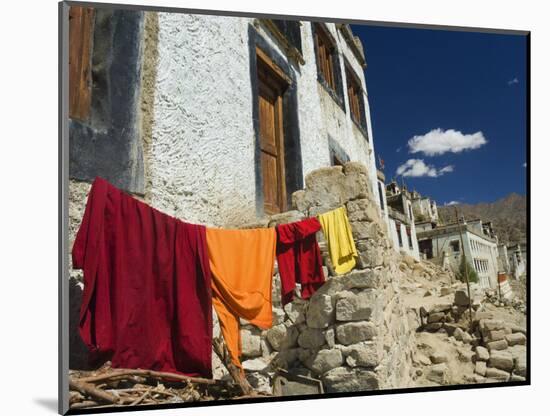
<point x="468" y="91"/>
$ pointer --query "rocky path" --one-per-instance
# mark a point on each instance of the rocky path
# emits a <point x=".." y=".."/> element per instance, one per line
<point x="450" y="350"/>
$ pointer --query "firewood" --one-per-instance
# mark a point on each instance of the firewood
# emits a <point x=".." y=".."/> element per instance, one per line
<point x="92" y="391"/>
<point x="125" y="373"/>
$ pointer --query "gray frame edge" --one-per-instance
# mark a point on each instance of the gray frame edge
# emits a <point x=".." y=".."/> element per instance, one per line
<point x="63" y="213"/>
<point x="404" y="25"/>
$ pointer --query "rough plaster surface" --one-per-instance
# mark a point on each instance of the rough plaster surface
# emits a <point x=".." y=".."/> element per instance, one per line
<point x="200" y="156"/>
<point x="202" y="149"/>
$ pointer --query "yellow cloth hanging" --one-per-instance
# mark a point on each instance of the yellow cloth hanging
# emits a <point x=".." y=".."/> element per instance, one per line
<point x="341" y="247"/>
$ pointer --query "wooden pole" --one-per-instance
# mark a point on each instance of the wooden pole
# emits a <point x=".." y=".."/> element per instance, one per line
<point x="236" y="373"/>
<point x="465" y="270"/>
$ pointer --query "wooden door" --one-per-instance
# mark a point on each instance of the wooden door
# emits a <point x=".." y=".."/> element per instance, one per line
<point x="270" y="102"/>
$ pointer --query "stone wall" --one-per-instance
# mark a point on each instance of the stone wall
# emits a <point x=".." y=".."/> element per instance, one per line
<point x="355" y="333"/>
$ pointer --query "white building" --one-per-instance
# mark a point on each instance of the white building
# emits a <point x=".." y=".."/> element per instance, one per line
<point x="517" y="256"/>
<point x="424" y="208"/>
<point x="222" y="117"/>
<point x="399" y="217"/>
<point x="380" y="191"/>
<point x="503" y="260"/>
<point x="443" y="244"/>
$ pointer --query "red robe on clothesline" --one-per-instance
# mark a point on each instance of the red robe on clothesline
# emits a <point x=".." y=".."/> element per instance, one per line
<point x="147" y="300"/>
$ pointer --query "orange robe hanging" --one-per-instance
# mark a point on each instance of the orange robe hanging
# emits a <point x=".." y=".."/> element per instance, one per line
<point x="241" y="263"/>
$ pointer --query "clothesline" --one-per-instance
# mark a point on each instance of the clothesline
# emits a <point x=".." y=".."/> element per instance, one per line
<point x="150" y="280"/>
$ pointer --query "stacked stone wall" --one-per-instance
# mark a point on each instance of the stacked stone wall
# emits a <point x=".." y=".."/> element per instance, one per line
<point x="354" y="333"/>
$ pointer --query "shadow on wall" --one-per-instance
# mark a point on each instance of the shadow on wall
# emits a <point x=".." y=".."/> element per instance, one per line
<point x="78" y="352"/>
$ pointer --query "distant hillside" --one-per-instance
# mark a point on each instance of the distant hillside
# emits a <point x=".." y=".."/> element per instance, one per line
<point x="509" y="216"/>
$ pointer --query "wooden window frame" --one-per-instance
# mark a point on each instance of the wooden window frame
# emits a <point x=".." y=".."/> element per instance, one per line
<point x="355" y="97"/>
<point x="81" y="29"/>
<point x="325" y="52"/>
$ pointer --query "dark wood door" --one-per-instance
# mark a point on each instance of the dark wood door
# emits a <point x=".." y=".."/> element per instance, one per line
<point x="270" y="102"/>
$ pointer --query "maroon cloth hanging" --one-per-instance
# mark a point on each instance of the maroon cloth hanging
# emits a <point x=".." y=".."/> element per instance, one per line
<point x="147" y="300"/>
<point x="299" y="258"/>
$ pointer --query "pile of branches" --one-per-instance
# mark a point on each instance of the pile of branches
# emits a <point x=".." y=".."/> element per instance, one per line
<point x="108" y="387"/>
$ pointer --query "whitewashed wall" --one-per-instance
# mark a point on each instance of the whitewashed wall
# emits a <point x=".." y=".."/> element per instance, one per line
<point x="202" y="131"/>
<point x="441" y="244"/>
<point x="201" y="156"/>
<point x="394" y="236"/>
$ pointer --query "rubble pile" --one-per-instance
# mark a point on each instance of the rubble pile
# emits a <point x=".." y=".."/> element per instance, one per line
<point x="489" y="348"/>
<point x="515" y="302"/>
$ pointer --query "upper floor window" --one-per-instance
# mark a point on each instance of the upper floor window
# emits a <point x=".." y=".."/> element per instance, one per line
<point x="291" y="31"/>
<point x="289" y="35"/>
<point x="327" y="56"/>
<point x="354" y="97"/>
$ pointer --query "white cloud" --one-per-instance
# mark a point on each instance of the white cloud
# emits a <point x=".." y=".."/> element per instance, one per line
<point x="438" y="141"/>
<point x="446" y="169"/>
<point x="513" y="81"/>
<point x="416" y="168"/>
<point x="451" y="203"/>
<point x="524" y="164"/>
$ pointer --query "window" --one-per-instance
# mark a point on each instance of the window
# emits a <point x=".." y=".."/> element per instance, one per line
<point x="381" y="195"/>
<point x="326" y="56"/>
<point x="355" y="94"/>
<point x="409" y="237"/>
<point x="81" y="25"/>
<point x="399" y="236"/>
<point x="290" y="29"/>
<point x="410" y="212"/>
<point x="455" y="245"/>
<point x="288" y="33"/>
